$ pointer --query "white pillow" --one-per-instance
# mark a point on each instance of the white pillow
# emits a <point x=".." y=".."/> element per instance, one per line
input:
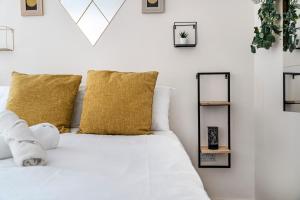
<point x="160" y="110"/>
<point x="78" y="107"/>
<point x="4" y="90"/>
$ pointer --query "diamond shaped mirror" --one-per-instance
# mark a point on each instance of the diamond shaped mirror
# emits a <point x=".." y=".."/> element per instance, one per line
<point x="92" y="16"/>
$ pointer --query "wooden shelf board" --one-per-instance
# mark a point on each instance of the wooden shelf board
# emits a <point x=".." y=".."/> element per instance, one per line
<point x="5" y="49"/>
<point x="221" y="150"/>
<point x="214" y="103"/>
<point x="185" y="45"/>
<point x="292" y="101"/>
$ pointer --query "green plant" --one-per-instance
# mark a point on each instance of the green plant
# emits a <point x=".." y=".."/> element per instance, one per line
<point x="183" y="34"/>
<point x="269" y="28"/>
<point x="290" y="18"/>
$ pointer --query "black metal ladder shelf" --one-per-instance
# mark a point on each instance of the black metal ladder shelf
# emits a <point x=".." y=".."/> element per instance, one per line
<point x="285" y="101"/>
<point x="224" y="150"/>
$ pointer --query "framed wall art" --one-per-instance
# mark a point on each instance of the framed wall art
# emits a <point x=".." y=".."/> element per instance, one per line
<point x="153" y="6"/>
<point x="32" y="7"/>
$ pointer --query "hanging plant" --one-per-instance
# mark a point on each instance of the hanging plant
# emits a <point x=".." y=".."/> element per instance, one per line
<point x="269" y="28"/>
<point x="290" y="17"/>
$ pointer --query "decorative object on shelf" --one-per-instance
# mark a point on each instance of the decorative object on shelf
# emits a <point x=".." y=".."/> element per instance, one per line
<point x="265" y="35"/>
<point x="6" y="38"/>
<point x="153" y="6"/>
<point x="213" y="139"/>
<point x="257" y="1"/>
<point x="185" y="34"/>
<point x="92" y="16"/>
<point x="290" y="18"/>
<point x="32" y="7"/>
<point x="213" y="147"/>
<point x="183" y="37"/>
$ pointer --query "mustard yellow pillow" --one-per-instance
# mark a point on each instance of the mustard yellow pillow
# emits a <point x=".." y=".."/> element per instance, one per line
<point x="44" y="98"/>
<point x="118" y="103"/>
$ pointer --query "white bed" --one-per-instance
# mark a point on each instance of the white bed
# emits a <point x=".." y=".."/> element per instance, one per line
<point x="93" y="167"/>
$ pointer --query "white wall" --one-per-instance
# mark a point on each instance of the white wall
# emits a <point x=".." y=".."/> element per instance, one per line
<point x="291" y="59"/>
<point x="277" y="160"/>
<point x="136" y="42"/>
<point x="277" y="133"/>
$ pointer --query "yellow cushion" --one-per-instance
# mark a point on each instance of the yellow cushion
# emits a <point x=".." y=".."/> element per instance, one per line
<point x="118" y="103"/>
<point x="44" y="98"/>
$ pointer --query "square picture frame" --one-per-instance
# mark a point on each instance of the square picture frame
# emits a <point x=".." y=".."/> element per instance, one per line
<point x="153" y="6"/>
<point x="32" y="7"/>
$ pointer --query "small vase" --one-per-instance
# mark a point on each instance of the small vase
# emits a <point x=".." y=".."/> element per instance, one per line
<point x="183" y="40"/>
<point x="213" y="139"/>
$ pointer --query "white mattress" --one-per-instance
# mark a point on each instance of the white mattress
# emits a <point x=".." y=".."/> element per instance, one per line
<point x="91" y="167"/>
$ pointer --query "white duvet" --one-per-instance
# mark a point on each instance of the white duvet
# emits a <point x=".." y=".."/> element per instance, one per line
<point x="91" y="167"/>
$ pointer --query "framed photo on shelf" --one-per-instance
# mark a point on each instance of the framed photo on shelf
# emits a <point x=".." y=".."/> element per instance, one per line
<point x="153" y="6"/>
<point x="32" y="7"/>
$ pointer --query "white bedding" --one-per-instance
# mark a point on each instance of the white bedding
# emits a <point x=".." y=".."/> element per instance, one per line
<point x="91" y="167"/>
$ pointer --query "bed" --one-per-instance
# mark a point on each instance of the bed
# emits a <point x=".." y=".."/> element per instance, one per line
<point x="93" y="167"/>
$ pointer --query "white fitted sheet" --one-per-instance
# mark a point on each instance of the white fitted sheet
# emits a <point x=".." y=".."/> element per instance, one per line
<point x="93" y="167"/>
